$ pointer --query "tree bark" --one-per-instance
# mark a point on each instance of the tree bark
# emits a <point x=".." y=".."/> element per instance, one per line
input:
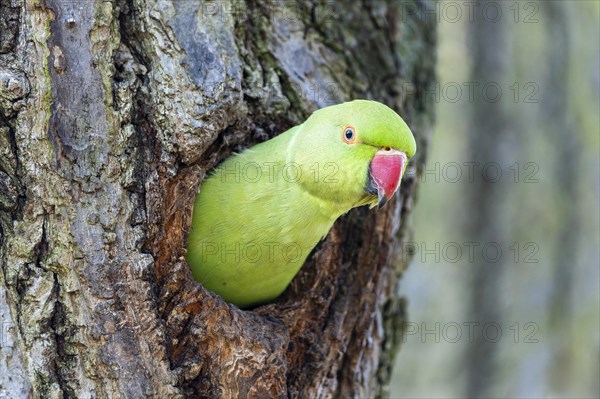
<point x="562" y="131"/>
<point x="489" y="141"/>
<point x="111" y="114"/>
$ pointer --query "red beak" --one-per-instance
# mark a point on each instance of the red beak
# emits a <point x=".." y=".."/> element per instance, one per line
<point x="385" y="173"/>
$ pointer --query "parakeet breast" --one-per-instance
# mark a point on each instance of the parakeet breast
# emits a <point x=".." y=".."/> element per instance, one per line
<point x="253" y="226"/>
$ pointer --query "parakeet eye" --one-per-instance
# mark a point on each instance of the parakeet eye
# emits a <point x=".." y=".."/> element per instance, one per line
<point x="349" y="135"/>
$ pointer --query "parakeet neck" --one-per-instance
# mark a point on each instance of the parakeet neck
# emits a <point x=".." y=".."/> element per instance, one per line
<point x="319" y="175"/>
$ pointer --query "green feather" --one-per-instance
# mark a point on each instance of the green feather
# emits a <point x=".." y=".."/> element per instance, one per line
<point x="261" y="212"/>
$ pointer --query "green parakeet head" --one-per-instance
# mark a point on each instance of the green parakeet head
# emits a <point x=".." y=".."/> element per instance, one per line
<point x="353" y="153"/>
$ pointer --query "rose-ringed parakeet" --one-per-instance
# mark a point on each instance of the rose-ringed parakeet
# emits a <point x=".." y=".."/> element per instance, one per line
<point x="260" y="213"/>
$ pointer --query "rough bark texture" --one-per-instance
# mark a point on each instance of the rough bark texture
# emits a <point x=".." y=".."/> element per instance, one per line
<point x="110" y="116"/>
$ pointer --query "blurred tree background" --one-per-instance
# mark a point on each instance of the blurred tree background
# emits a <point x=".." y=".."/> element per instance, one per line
<point x="504" y="289"/>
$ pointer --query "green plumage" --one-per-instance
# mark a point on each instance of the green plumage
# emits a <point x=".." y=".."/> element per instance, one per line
<point x="261" y="212"/>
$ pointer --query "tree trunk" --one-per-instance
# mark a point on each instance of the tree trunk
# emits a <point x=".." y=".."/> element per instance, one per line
<point x="489" y="143"/>
<point x="562" y="131"/>
<point x="111" y="116"/>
